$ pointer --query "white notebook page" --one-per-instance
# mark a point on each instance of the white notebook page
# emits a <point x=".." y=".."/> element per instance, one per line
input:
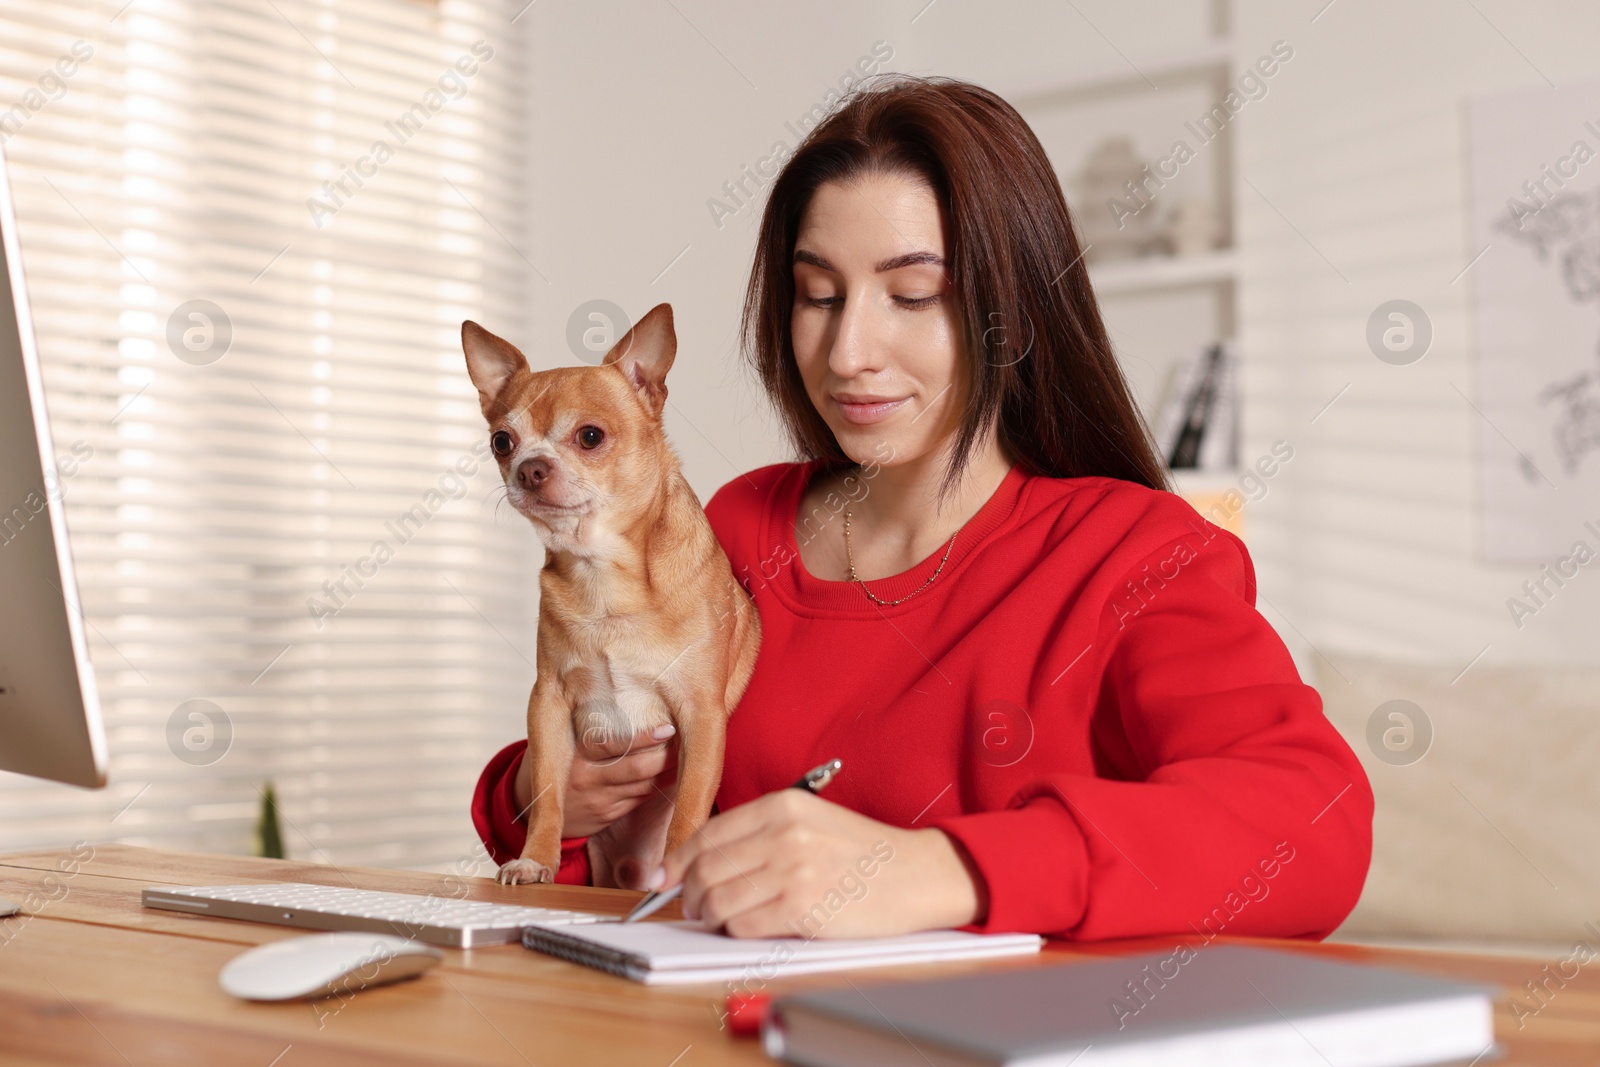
<point x="685" y="951"/>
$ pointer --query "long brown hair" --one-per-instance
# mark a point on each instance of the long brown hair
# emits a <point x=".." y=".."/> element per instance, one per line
<point x="1046" y="380"/>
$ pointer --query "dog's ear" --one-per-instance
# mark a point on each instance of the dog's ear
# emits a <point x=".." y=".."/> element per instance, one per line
<point x="645" y="354"/>
<point x="491" y="361"/>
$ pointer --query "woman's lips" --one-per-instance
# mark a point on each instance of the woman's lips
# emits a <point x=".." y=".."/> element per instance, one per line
<point x="864" y="410"/>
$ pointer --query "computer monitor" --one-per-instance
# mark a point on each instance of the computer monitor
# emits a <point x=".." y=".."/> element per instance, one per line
<point x="49" y="711"/>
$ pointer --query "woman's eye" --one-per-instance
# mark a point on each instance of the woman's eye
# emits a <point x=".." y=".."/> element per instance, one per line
<point x="591" y="436"/>
<point x="904" y="301"/>
<point x="501" y="442"/>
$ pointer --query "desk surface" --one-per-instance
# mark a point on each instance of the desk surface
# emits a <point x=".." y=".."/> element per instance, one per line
<point x="88" y="976"/>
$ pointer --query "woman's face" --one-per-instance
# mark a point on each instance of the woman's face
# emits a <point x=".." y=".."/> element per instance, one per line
<point x="876" y="334"/>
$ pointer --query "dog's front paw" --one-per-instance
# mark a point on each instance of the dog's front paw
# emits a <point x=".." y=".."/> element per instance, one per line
<point x="524" y="872"/>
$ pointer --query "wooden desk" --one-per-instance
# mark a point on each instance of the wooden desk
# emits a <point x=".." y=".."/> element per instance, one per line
<point x="89" y="976"/>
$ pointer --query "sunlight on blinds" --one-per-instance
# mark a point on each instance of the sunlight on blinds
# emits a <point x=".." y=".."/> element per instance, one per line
<point x="251" y="229"/>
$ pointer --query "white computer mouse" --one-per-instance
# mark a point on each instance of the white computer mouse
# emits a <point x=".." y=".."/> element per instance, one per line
<point x="322" y="964"/>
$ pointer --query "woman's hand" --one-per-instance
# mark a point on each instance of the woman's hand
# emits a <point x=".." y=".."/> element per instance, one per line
<point x="791" y="863"/>
<point x="608" y="779"/>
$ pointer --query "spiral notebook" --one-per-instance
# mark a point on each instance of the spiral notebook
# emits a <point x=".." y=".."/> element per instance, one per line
<point x="682" y="951"/>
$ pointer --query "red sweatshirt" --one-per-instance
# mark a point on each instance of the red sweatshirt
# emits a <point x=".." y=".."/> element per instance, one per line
<point x="1086" y="700"/>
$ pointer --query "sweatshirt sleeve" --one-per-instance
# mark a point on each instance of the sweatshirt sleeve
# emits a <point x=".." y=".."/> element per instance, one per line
<point x="495" y="815"/>
<point x="1241" y="810"/>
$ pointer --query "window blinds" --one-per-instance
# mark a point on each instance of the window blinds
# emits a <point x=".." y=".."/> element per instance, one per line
<point x="251" y="229"/>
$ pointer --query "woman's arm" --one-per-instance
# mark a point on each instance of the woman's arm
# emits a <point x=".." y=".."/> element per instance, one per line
<point x="606" y="782"/>
<point x="791" y="863"/>
<point x="1243" y="812"/>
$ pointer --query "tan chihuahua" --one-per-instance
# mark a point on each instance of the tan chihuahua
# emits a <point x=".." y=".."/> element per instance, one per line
<point x="641" y="621"/>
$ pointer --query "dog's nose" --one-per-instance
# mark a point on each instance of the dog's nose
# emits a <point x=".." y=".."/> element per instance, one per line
<point x="532" y="472"/>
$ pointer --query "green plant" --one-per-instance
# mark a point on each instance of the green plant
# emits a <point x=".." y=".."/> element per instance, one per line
<point x="269" y="842"/>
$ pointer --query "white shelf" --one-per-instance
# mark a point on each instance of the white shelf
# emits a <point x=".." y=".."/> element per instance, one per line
<point x="1153" y="273"/>
<point x="1136" y="73"/>
<point x="1201" y="481"/>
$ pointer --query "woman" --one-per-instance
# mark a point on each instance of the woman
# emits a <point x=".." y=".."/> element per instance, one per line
<point x="1057" y="708"/>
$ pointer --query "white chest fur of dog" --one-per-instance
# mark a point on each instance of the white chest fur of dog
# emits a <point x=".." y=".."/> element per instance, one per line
<point x="619" y="667"/>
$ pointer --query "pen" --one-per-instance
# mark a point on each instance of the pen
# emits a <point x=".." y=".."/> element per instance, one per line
<point x="812" y="781"/>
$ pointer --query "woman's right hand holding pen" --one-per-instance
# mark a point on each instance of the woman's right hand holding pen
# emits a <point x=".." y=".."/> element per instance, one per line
<point x="794" y="864"/>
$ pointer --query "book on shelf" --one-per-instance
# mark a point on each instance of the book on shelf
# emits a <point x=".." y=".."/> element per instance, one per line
<point x="1197" y="422"/>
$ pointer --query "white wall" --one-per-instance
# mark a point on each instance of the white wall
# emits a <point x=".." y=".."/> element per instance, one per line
<point x="640" y="114"/>
<point x="1370" y="543"/>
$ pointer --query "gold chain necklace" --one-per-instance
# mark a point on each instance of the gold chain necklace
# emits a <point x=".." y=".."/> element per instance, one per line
<point x="891" y="603"/>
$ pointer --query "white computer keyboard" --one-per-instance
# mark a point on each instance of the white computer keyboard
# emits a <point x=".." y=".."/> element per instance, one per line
<point x="437" y="918"/>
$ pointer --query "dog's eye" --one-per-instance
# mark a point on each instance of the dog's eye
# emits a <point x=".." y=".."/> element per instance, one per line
<point x="501" y="442"/>
<point x="591" y="436"/>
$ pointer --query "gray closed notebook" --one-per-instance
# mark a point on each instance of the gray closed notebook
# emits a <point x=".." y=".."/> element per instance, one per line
<point x="1218" y="1004"/>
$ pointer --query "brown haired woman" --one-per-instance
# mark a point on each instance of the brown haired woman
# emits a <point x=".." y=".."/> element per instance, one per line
<point x="1057" y="707"/>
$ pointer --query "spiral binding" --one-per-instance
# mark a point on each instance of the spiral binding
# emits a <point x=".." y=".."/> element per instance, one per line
<point x="601" y="957"/>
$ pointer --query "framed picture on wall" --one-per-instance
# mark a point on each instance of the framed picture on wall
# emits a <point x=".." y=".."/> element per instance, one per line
<point x="1535" y="228"/>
